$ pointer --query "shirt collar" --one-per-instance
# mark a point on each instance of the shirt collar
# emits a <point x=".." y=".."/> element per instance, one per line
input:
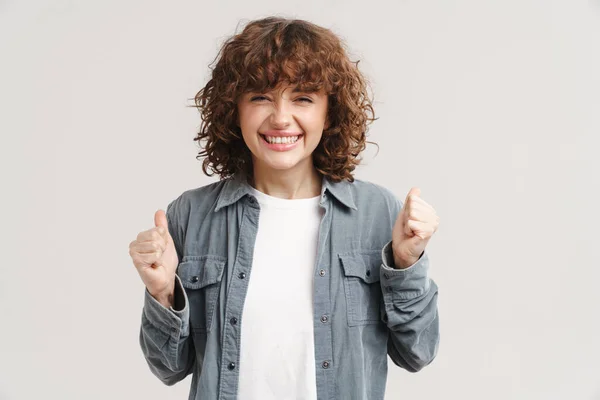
<point x="237" y="187"/>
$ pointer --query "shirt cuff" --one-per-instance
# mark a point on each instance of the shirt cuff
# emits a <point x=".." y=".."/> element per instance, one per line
<point x="169" y="320"/>
<point x="405" y="283"/>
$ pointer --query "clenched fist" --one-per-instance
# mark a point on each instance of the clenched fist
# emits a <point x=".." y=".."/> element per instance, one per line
<point x="417" y="221"/>
<point x="154" y="256"/>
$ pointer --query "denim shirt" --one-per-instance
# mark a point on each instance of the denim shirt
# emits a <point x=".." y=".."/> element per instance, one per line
<point x="364" y="308"/>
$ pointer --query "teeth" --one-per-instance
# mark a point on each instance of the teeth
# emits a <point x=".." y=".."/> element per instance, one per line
<point x="281" y="140"/>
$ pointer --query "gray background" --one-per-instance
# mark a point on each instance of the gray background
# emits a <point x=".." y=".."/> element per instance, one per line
<point x="492" y="108"/>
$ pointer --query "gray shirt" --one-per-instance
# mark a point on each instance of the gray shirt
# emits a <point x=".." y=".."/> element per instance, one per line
<point x="364" y="308"/>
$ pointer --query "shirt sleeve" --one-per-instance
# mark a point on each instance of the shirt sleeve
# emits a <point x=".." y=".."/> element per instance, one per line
<point x="409" y="311"/>
<point x="165" y="332"/>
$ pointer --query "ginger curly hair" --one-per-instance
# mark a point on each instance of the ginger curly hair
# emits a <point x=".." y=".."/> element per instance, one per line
<point x="267" y="53"/>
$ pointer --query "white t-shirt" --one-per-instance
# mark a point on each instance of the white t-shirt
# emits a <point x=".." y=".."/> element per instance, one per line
<point x="277" y="359"/>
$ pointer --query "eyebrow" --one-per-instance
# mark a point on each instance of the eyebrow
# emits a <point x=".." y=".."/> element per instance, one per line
<point x="296" y="89"/>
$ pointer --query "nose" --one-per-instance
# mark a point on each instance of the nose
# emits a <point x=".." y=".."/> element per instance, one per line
<point x="280" y="117"/>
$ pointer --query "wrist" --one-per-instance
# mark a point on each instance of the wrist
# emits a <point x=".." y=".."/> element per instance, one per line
<point x="166" y="297"/>
<point x="403" y="262"/>
<point x="167" y="301"/>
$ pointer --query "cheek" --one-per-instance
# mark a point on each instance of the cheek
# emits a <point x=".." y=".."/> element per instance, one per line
<point x="246" y="124"/>
<point x="252" y="119"/>
<point x="313" y="120"/>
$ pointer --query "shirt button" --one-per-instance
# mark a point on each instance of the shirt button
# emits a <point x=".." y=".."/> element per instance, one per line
<point x="368" y="272"/>
<point x="194" y="279"/>
<point x="386" y="275"/>
<point x="233" y="321"/>
<point x="241" y="275"/>
<point x="325" y="364"/>
<point x="389" y="288"/>
<point x="231" y="365"/>
<point x="324" y="318"/>
<point x="322" y="272"/>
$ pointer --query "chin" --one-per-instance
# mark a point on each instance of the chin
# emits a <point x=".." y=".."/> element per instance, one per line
<point x="282" y="166"/>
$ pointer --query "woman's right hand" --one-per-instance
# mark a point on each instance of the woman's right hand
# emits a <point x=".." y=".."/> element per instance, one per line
<point x="154" y="256"/>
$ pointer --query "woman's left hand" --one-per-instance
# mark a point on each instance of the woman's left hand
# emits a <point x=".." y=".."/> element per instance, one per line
<point x="416" y="223"/>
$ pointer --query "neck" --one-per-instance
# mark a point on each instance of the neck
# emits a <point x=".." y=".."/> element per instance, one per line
<point x="295" y="183"/>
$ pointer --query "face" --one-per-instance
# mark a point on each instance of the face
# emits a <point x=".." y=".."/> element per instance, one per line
<point x="282" y="127"/>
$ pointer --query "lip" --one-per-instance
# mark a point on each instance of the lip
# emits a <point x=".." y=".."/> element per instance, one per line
<point x="281" y="146"/>
<point x="281" y="133"/>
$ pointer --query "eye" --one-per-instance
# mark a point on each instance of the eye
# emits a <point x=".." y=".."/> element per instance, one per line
<point x="258" y="98"/>
<point x="305" y="99"/>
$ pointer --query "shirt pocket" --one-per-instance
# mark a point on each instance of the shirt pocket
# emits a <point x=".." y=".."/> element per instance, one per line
<point x="201" y="277"/>
<point x="361" y="286"/>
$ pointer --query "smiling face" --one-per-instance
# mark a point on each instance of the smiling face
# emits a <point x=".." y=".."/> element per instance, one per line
<point x="282" y="127"/>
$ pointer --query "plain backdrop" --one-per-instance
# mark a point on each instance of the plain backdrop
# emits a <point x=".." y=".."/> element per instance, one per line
<point x="492" y="108"/>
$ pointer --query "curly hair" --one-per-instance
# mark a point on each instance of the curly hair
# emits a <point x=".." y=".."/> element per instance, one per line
<point x="267" y="53"/>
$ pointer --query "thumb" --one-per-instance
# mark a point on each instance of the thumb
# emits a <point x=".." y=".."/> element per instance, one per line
<point x="160" y="220"/>
<point x="415" y="191"/>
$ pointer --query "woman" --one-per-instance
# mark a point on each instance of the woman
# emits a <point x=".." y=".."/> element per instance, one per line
<point x="288" y="278"/>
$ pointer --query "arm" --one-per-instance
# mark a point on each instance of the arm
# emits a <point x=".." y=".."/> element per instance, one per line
<point x="409" y="311"/>
<point x="165" y="332"/>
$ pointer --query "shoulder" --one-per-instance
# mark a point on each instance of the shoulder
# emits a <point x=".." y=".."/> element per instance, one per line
<point x="370" y="194"/>
<point x="200" y="198"/>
